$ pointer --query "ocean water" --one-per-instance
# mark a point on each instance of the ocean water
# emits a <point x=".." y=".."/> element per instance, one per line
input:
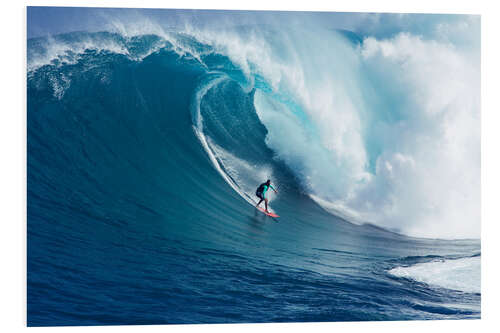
<point x="144" y="152"/>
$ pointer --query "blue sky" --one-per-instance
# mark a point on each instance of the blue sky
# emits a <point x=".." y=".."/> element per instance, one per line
<point x="43" y="21"/>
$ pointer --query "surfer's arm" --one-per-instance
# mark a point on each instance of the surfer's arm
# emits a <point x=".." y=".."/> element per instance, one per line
<point x="271" y="186"/>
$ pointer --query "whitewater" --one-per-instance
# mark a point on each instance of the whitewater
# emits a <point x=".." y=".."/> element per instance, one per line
<point x="146" y="145"/>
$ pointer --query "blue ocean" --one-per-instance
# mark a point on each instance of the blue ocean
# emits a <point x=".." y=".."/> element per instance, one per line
<point x="144" y="151"/>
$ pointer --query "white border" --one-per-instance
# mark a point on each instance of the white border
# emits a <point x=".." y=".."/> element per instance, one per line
<point x="13" y="152"/>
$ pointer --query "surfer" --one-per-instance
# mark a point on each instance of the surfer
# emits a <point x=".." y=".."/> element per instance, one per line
<point x="262" y="190"/>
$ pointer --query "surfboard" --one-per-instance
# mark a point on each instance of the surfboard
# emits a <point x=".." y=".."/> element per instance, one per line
<point x="268" y="214"/>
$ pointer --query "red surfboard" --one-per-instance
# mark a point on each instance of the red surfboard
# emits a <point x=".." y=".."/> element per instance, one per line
<point x="268" y="214"/>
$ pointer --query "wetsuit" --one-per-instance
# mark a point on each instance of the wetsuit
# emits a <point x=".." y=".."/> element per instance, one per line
<point x="262" y="190"/>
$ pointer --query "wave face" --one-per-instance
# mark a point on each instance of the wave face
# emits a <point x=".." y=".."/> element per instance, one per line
<point x="144" y="152"/>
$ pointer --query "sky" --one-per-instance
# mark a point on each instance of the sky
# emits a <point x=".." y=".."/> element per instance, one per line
<point x="43" y="21"/>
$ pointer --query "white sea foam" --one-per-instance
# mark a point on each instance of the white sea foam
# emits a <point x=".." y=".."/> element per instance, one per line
<point x="457" y="274"/>
<point x="59" y="85"/>
<point x="69" y="52"/>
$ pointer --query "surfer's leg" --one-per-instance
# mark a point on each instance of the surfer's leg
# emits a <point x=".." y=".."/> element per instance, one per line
<point x="259" y="202"/>
<point x="265" y="200"/>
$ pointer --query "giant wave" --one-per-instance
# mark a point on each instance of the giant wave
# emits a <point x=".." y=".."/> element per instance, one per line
<point x="366" y="127"/>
